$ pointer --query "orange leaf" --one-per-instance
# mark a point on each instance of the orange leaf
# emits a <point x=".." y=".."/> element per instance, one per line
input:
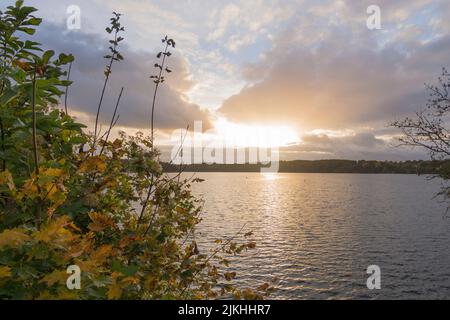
<point x="100" y="222"/>
<point x="25" y="66"/>
<point x="96" y="163"/>
<point x="6" y="178"/>
<point x="13" y="238"/>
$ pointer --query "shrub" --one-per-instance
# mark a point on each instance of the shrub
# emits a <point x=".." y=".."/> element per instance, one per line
<point x="69" y="197"/>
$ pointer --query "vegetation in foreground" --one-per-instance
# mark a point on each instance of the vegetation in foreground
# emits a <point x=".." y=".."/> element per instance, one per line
<point x="68" y="197"/>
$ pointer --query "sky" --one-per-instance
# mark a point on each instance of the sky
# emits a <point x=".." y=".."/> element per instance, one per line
<point x="310" y="73"/>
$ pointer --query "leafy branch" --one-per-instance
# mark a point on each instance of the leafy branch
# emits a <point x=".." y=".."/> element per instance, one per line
<point x="428" y="128"/>
<point x="89" y="199"/>
<point x="159" y="78"/>
<point x="114" y="120"/>
<point x="114" y="55"/>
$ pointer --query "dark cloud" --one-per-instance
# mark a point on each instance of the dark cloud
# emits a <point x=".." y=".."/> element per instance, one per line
<point x="326" y="143"/>
<point x="326" y="70"/>
<point x="338" y="85"/>
<point x="340" y="77"/>
<point x="173" y="110"/>
<point x="356" y="147"/>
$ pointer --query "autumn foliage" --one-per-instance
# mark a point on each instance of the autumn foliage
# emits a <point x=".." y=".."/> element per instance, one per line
<point x="69" y="197"/>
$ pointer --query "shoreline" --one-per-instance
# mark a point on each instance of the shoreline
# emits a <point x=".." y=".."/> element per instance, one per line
<point x="417" y="167"/>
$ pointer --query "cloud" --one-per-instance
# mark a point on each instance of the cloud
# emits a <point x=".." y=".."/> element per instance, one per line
<point x="337" y="78"/>
<point x="228" y="15"/>
<point x="173" y="109"/>
<point x="358" y="146"/>
<point x="305" y="63"/>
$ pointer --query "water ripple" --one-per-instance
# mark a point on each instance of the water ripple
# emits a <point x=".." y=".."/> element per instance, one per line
<point x="317" y="233"/>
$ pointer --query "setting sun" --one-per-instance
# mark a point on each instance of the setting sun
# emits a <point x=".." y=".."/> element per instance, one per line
<point x="262" y="136"/>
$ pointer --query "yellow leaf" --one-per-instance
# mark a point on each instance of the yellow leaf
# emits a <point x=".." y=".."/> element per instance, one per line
<point x="130" y="281"/>
<point x="126" y="241"/>
<point x="57" y="198"/>
<point x="181" y="210"/>
<point x="53" y="208"/>
<point x="55" y="277"/>
<point x="64" y="294"/>
<point x="96" y="163"/>
<point x="52" y="172"/>
<point x="117" y="143"/>
<point x="84" y="246"/>
<point x="13" y="238"/>
<point x="99" y="256"/>
<point x="30" y="189"/>
<point x="55" y="231"/>
<point x="5" y="272"/>
<point x="87" y="266"/>
<point x="91" y="200"/>
<point x="6" y="178"/>
<point x="72" y="226"/>
<point x="100" y="221"/>
<point x="45" y="295"/>
<point x="115" y="291"/>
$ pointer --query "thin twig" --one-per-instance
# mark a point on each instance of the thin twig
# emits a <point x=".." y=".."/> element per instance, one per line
<point x="155" y="210"/>
<point x="2" y="131"/>
<point x="107" y="75"/>
<point x="33" y="106"/>
<point x="145" y="204"/>
<point x="67" y="89"/>
<point x="35" y="151"/>
<point x="112" y="121"/>
<point x="154" y="95"/>
<point x="214" y="253"/>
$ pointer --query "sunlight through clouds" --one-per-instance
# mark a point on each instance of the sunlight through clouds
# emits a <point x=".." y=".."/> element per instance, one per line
<point x="276" y="63"/>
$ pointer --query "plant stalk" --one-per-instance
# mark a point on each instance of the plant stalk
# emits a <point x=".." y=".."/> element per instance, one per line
<point x="104" y="89"/>
<point x="112" y="121"/>
<point x="67" y="89"/>
<point x="154" y="97"/>
<point x="35" y="149"/>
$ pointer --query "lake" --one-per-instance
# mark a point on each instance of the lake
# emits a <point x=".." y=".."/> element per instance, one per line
<point x="316" y="234"/>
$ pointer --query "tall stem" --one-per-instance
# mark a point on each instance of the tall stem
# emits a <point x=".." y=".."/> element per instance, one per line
<point x="33" y="106"/>
<point x="154" y="96"/>
<point x="3" y="65"/>
<point x="35" y="150"/>
<point x="147" y="200"/>
<point x="112" y="121"/>
<point x="2" y="129"/>
<point x="67" y="89"/>
<point x="2" y="132"/>
<point x="104" y="88"/>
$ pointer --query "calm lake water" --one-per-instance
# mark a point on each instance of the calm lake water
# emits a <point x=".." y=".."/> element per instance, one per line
<point x="316" y="234"/>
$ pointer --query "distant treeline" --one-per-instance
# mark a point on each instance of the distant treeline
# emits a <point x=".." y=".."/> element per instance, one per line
<point x="324" y="166"/>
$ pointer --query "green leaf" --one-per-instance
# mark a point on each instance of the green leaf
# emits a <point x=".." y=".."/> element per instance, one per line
<point x="33" y="22"/>
<point x="7" y="97"/>
<point x="29" y="31"/>
<point x="31" y="45"/>
<point x="186" y="274"/>
<point x="65" y="59"/>
<point x="124" y="269"/>
<point x="47" y="56"/>
<point x="25" y="11"/>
